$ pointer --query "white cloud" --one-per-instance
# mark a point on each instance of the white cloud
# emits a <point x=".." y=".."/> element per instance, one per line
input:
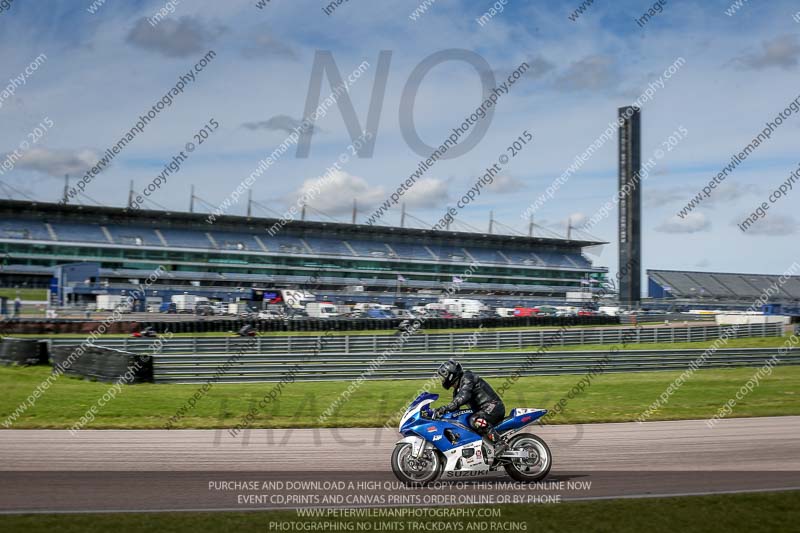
<point x="184" y="37"/>
<point x="691" y="223"/>
<point x="426" y="193"/>
<point x="504" y="184"/>
<point x="591" y="73"/>
<point x="729" y="192"/>
<point x="58" y="162"/>
<point x="576" y="220"/>
<point x="782" y="51"/>
<point x="283" y="123"/>
<point x="662" y="196"/>
<point x="336" y="195"/>
<point x="264" y="45"/>
<point x="773" y="225"/>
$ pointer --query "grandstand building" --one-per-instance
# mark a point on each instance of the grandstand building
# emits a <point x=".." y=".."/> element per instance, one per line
<point x="236" y="254"/>
<point x="722" y="287"/>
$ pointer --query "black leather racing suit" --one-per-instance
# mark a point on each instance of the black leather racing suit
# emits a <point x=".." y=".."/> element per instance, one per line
<point x="487" y="407"/>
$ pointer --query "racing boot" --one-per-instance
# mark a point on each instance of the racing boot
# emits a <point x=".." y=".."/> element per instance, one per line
<point x="499" y="443"/>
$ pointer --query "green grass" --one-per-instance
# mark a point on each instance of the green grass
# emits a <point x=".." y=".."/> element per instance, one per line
<point x="751" y="513"/>
<point x="609" y="398"/>
<point x="24" y="294"/>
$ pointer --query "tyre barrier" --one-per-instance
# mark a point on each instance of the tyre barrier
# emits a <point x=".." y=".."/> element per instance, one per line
<point x="358" y="324"/>
<point x="25" y="352"/>
<point x="12" y="326"/>
<point x="103" y="364"/>
<point x="221" y="325"/>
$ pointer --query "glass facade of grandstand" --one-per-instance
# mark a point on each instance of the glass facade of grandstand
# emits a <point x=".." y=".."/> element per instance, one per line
<point x="240" y="252"/>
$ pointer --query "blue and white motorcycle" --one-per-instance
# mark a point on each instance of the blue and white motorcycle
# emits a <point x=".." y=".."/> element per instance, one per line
<point x="447" y="447"/>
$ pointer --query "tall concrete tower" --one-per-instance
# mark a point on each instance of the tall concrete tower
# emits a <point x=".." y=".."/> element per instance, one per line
<point x="630" y="206"/>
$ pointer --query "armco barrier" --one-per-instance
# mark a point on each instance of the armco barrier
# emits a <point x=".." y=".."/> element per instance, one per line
<point x="104" y="364"/>
<point x="452" y="342"/>
<point x="345" y="367"/>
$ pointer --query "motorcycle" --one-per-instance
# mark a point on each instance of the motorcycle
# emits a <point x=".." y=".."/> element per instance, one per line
<point x="447" y="447"/>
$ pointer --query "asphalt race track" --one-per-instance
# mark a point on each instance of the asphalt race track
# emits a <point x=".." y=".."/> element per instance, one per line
<point x="116" y="470"/>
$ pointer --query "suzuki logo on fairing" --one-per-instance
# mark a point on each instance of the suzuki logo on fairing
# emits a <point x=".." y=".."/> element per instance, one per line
<point x="466" y="473"/>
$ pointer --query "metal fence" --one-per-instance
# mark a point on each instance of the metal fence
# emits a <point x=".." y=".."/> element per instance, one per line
<point x="219" y="368"/>
<point x="450" y="342"/>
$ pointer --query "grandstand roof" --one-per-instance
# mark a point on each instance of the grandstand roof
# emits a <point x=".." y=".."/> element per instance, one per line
<point x="116" y="215"/>
<point x="725" y="285"/>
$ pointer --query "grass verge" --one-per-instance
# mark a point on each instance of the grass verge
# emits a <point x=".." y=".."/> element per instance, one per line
<point x="608" y="398"/>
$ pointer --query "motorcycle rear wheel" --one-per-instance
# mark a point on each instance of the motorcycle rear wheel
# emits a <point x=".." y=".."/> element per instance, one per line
<point x="529" y="470"/>
<point x="405" y="470"/>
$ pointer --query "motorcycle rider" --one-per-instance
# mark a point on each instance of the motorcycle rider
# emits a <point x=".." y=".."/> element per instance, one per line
<point x="470" y="389"/>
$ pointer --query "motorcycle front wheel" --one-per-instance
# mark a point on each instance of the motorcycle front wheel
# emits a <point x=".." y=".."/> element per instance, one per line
<point x="536" y="466"/>
<point x="420" y="471"/>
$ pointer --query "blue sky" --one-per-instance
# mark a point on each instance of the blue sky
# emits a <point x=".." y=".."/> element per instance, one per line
<point x="103" y="70"/>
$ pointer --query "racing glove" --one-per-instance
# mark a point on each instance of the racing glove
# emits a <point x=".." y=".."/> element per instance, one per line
<point x="439" y="411"/>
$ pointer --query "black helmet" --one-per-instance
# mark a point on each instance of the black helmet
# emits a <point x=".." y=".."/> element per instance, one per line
<point x="450" y="371"/>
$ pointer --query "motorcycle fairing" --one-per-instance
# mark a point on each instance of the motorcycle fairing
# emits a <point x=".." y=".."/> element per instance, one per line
<point x="519" y="418"/>
<point x="434" y="431"/>
<point x="466" y="456"/>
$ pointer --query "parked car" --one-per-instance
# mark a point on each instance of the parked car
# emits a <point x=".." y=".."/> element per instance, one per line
<point x="434" y="313"/>
<point x="204" y="309"/>
<point x="220" y="308"/>
<point x="379" y="313"/>
<point x="297" y="314"/>
<point x="168" y="307"/>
